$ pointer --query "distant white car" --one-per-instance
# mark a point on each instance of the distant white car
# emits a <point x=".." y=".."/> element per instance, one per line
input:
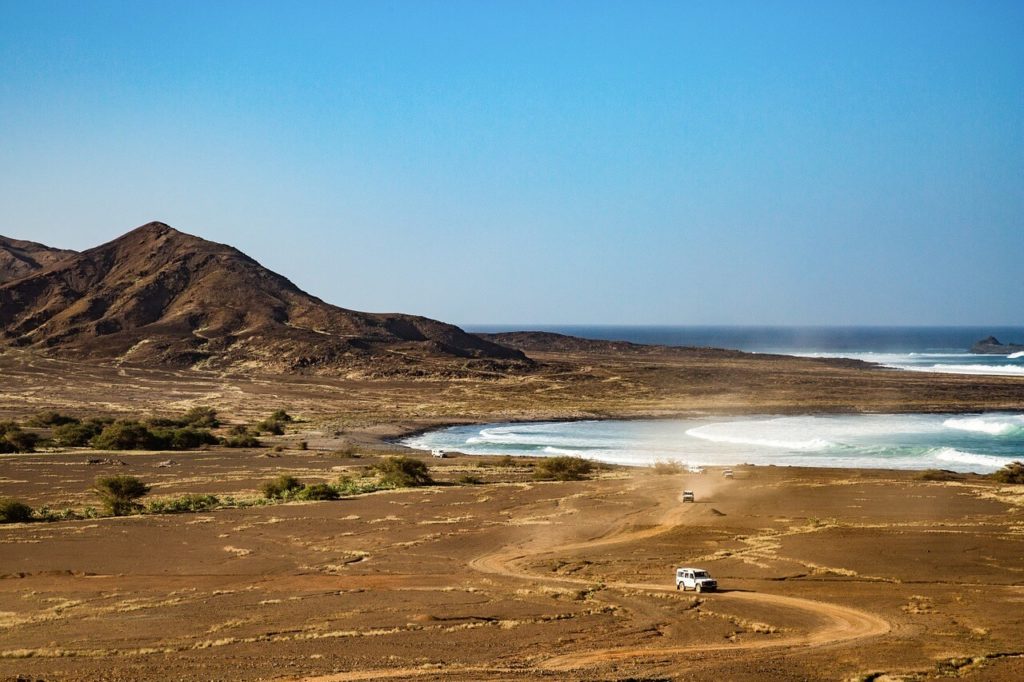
<point x="688" y="496"/>
<point x="696" y="579"/>
<point x="695" y="469"/>
<point x="727" y="473"/>
<point x="438" y="453"/>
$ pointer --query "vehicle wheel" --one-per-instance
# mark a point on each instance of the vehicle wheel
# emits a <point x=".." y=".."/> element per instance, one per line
<point x="677" y="586"/>
<point x="697" y="587"/>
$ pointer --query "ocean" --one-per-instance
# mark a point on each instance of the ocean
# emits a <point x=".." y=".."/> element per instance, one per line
<point x="968" y="442"/>
<point x="930" y="349"/>
<point x="971" y="442"/>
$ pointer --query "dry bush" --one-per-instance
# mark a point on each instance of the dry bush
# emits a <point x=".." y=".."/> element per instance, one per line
<point x="563" y="468"/>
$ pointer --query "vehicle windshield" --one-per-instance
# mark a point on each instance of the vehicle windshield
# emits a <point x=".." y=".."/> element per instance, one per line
<point x="701" y="574"/>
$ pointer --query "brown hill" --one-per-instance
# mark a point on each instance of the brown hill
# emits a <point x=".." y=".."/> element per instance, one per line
<point x="159" y="296"/>
<point x="19" y="258"/>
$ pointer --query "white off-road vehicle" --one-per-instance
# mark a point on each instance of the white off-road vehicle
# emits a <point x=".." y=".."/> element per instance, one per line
<point x="696" y="579"/>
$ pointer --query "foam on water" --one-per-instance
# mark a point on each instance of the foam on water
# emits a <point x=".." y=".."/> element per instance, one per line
<point x="978" y="442"/>
<point x="955" y="456"/>
<point x="1015" y="356"/>
<point x="993" y="426"/>
<point x="729" y="433"/>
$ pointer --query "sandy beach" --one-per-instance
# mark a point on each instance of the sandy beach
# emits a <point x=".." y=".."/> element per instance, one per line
<point x="824" y="574"/>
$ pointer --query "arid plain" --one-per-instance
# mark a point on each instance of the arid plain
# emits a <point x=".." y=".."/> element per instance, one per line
<point x="825" y="574"/>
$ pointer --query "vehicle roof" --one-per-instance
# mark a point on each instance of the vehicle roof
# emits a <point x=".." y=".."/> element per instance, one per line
<point x="691" y="568"/>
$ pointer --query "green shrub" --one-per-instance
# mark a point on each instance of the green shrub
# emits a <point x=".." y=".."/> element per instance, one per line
<point x="118" y="494"/>
<point x="281" y="487"/>
<point x="201" y="417"/>
<point x="318" y="491"/>
<point x="469" y="479"/>
<point x="184" y="504"/>
<point x="563" y="468"/>
<point x="51" y="418"/>
<point x="940" y="475"/>
<point x="13" y="511"/>
<point x="125" y="435"/>
<point x="76" y="435"/>
<point x="402" y="472"/>
<point x="280" y="416"/>
<point x="274" y="428"/>
<point x="185" y="438"/>
<point x="347" y="485"/>
<point x="302" y="445"/>
<point x="239" y="430"/>
<point x="130" y="435"/>
<point x="13" y="439"/>
<point x="1011" y="473"/>
<point x="246" y="441"/>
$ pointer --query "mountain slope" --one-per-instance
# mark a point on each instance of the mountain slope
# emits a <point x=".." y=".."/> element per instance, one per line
<point x="160" y="296"/>
<point x="19" y="258"/>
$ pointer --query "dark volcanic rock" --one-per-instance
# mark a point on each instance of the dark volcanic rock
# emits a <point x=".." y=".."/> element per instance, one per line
<point x="19" y="258"/>
<point x="991" y="346"/>
<point x="159" y="296"/>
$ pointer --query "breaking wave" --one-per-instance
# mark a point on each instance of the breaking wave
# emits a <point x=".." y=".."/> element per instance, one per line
<point x="1003" y="425"/>
<point x="709" y="433"/>
<point x="960" y="457"/>
<point x="967" y="442"/>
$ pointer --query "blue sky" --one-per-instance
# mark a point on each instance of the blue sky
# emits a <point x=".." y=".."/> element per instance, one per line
<point x="543" y="162"/>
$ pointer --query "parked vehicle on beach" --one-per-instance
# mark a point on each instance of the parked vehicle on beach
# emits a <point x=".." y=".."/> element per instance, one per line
<point x="696" y="579"/>
<point x="437" y="452"/>
<point x="688" y="496"/>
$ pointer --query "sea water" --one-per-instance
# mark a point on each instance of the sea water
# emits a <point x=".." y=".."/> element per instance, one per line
<point x="922" y="349"/>
<point x="968" y="443"/>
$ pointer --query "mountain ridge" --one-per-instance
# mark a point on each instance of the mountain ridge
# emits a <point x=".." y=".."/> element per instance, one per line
<point x="156" y="295"/>
<point x="20" y="257"/>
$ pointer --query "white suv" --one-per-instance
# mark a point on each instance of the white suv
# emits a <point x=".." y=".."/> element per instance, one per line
<point x="695" y="579"/>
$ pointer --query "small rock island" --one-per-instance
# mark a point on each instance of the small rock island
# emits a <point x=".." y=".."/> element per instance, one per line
<point x="991" y="346"/>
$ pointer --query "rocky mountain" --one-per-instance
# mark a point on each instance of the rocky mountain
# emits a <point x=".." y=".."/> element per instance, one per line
<point x="990" y="345"/>
<point x="160" y="296"/>
<point x="19" y="258"/>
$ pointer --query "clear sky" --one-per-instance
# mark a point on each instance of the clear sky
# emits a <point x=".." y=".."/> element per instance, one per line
<point x="547" y="162"/>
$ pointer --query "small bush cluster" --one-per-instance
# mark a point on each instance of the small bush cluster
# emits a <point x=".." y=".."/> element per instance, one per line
<point x="79" y="433"/>
<point x="275" y="423"/>
<point x="402" y="472"/>
<point x="119" y="494"/>
<point x="184" y="504"/>
<point x="563" y="468"/>
<point x="318" y="491"/>
<point x="50" y="419"/>
<point x="13" y="511"/>
<point x="13" y="439"/>
<point x="282" y="487"/>
<point x="287" y="487"/>
<point x="197" y="417"/>
<point x="940" y="475"/>
<point x="132" y="435"/>
<point x="1012" y="473"/>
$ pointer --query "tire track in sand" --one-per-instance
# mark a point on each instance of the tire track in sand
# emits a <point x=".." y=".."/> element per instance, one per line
<point x="843" y="624"/>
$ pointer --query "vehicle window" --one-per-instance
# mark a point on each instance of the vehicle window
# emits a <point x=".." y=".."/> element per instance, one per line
<point x="701" y="574"/>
